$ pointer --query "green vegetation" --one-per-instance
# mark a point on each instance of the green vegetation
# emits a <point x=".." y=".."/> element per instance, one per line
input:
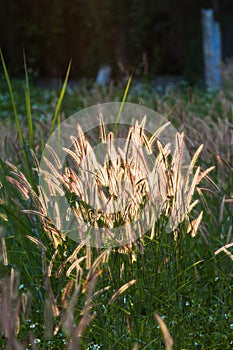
<point x="57" y="294"/>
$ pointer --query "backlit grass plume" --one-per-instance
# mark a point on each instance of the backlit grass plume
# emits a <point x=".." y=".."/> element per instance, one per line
<point x="116" y="200"/>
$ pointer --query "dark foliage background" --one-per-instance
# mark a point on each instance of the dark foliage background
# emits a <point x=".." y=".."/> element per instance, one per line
<point x="92" y="33"/>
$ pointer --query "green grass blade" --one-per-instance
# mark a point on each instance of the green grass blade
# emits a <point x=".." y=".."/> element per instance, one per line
<point x="12" y="98"/>
<point x="165" y="117"/>
<point x="21" y="138"/>
<point x="122" y="102"/>
<point x="28" y="105"/>
<point x="63" y="90"/>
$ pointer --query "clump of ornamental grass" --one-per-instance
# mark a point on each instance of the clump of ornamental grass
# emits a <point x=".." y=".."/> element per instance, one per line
<point x="206" y="120"/>
<point x="135" y="186"/>
<point x="137" y="183"/>
<point x="218" y="136"/>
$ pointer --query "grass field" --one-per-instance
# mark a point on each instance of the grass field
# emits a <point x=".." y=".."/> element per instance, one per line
<point x="169" y="291"/>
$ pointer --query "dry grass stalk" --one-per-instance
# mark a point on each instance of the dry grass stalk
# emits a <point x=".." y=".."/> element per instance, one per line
<point x="121" y="290"/>
<point x="167" y="336"/>
<point x="214" y="130"/>
<point x="3" y="250"/>
<point x="10" y="308"/>
<point x="96" y="264"/>
<point x="66" y="312"/>
<point x="193" y="226"/>
<point x="51" y="309"/>
<point x="86" y="318"/>
<point x="225" y="250"/>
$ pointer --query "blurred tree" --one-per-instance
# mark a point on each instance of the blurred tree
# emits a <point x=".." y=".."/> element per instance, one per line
<point x="10" y="27"/>
<point x="93" y="33"/>
<point x="226" y="20"/>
